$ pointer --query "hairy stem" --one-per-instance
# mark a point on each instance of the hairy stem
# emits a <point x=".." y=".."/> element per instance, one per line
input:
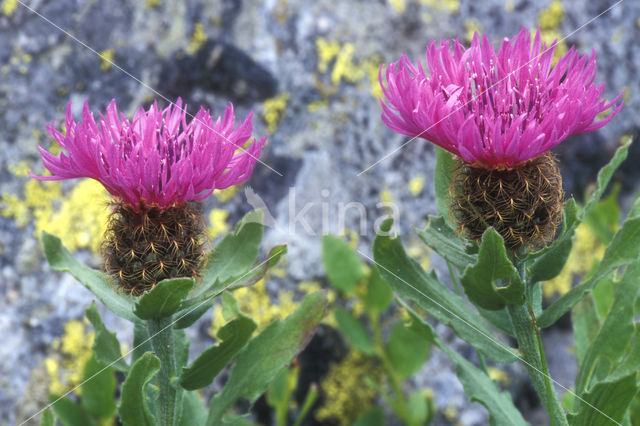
<point x="162" y="342"/>
<point x="530" y="346"/>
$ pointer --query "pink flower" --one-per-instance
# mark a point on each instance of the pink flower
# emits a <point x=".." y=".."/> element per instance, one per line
<point x="495" y="110"/>
<point x="157" y="159"/>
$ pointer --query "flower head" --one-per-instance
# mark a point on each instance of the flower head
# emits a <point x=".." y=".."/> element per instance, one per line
<point x="157" y="166"/>
<point x="495" y="110"/>
<point x="156" y="159"/>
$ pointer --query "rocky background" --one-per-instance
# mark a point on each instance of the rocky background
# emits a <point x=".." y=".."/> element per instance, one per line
<point x="308" y="70"/>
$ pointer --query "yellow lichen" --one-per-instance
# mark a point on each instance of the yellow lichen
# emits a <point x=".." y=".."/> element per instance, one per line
<point x="385" y="195"/>
<point x="150" y="4"/>
<point x="451" y="412"/>
<point x="346" y="392"/>
<point x="552" y="16"/>
<point x="313" y="106"/>
<point x="345" y="67"/>
<point x="509" y="6"/>
<point x="256" y="302"/>
<point x="398" y="6"/>
<point x="273" y="110"/>
<point x="616" y="36"/>
<point x="372" y="67"/>
<point x="106" y="59"/>
<point x="419" y="251"/>
<point x="471" y="27"/>
<point x="79" y="218"/>
<point x="586" y="250"/>
<point x="225" y="195"/>
<point x="327" y="51"/>
<point x="198" y="39"/>
<point x="499" y="375"/>
<point x="416" y="185"/>
<point x="65" y="367"/>
<point x="549" y="21"/>
<point x="308" y="287"/>
<point x="445" y="5"/>
<point x="218" y="223"/>
<point x="9" y="7"/>
<point x="626" y="95"/>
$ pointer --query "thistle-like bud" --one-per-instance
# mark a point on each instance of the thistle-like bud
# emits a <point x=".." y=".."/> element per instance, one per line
<point x="524" y="205"/>
<point x="143" y="248"/>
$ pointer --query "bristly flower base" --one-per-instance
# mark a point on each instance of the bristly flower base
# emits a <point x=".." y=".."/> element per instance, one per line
<point x="146" y="245"/>
<point x="524" y="205"/>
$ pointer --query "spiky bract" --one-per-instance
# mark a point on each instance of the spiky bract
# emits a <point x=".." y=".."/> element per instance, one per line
<point x="523" y="205"/>
<point x="146" y="245"/>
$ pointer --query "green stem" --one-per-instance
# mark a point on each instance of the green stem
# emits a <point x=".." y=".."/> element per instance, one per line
<point x="399" y="405"/>
<point x="483" y="363"/>
<point x="162" y="342"/>
<point x="530" y="345"/>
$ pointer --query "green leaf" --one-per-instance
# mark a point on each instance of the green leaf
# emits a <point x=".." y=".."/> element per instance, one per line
<point x="193" y="410"/>
<point x="603" y="294"/>
<point x="493" y="281"/>
<point x="277" y="393"/>
<point x="269" y="352"/>
<point x="164" y="299"/>
<point x="238" y="420"/>
<point x="141" y="341"/>
<point x="412" y="284"/>
<point x="586" y="324"/>
<point x="106" y="346"/>
<point x="617" y="329"/>
<point x="354" y="332"/>
<point x="343" y="266"/>
<point x="235" y="254"/>
<point x="233" y="336"/>
<point x="69" y="413"/>
<point x="631" y="361"/>
<point x="477" y="385"/>
<point x="604" y="176"/>
<point x="309" y="401"/>
<point x="62" y="260"/>
<point x="275" y="254"/>
<point x="550" y="260"/>
<point x="193" y="308"/>
<point x="378" y="294"/>
<point x="406" y="351"/>
<point x="230" y="308"/>
<point x="48" y="419"/>
<point x="418" y="408"/>
<point x="445" y="167"/>
<point x="623" y="250"/>
<point x="444" y="241"/>
<point x="499" y="318"/>
<point x="606" y="403"/>
<point x="604" y="217"/>
<point x="372" y="417"/>
<point x="182" y="344"/>
<point x="99" y="389"/>
<point x="134" y="407"/>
